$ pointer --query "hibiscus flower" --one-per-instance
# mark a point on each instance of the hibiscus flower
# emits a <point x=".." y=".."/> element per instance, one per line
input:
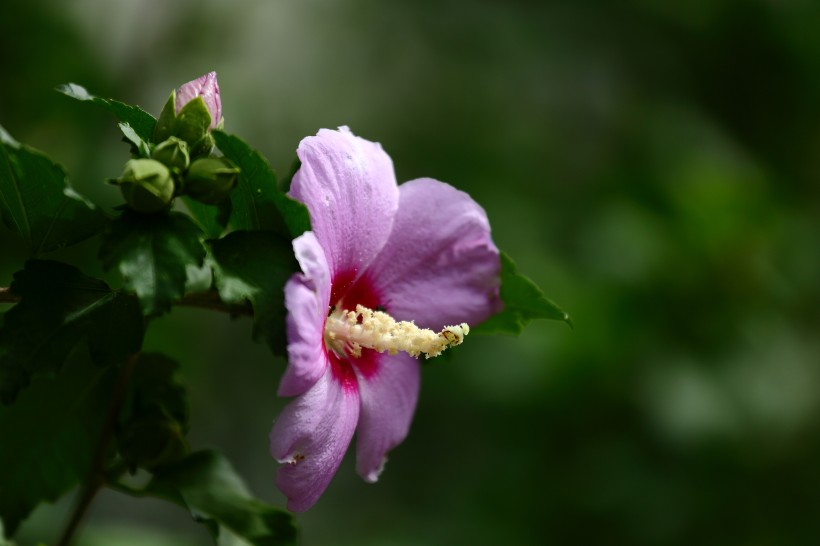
<point x="384" y="266"/>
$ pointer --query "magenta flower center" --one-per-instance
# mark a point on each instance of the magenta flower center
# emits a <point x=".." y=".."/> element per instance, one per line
<point x="353" y="330"/>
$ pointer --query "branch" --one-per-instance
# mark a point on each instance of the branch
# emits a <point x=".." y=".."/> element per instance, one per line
<point x="96" y="479"/>
<point x="200" y="300"/>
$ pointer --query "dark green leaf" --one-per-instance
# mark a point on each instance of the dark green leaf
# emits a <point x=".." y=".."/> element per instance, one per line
<point x="49" y="436"/>
<point x="211" y="218"/>
<point x="141" y="121"/>
<point x="254" y="266"/>
<point x="206" y="484"/>
<point x="38" y="203"/>
<point x="152" y="252"/>
<point x="257" y="201"/>
<point x="61" y="307"/>
<point x="154" y="417"/>
<point x="523" y="302"/>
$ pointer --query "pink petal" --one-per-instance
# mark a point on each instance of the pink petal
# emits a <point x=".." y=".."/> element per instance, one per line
<point x="388" y="392"/>
<point x="306" y="297"/>
<point x="440" y="265"/>
<point x="311" y="437"/>
<point x="206" y="87"/>
<point x="349" y="187"/>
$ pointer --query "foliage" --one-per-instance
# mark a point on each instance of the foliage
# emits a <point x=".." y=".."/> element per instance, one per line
<point x="82" y="404"/>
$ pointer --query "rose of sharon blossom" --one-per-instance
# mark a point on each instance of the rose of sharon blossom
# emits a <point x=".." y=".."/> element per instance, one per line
<point x="379" y="254"/>
<point x="206" y="87"/>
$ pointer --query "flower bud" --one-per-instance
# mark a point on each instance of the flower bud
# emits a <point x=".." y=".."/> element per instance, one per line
<point x="146" y="185"/>
<point x="211" y="179"/>
<point x="191" y="112"/>
<point x="173" y="153"/>
<point x="205" y="87"/>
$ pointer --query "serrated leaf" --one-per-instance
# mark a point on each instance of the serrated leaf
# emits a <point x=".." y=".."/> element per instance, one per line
<point x="206" y="484"/>
<point x="254" y="266"/>
<point x="61" y="307"/>
<point x="523" y="302"/>
<point x="37" y="201"/>
<point x="141" y="121"/>
<point x="213" y="219"/>
<point x="258" y="204"/>
<point x="154" y="417"/>
<point x="152" y="253"/>
<point x="50" y="434"/>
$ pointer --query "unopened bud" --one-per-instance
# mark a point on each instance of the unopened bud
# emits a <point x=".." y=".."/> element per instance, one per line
<point x="173" y="153"/>
<point x="190" y="113"/>
<point x="211" y="179"/>
<point x="146" y="185"/>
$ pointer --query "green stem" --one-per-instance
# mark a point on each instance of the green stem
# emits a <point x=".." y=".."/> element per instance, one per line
<point x="97" y="478"/>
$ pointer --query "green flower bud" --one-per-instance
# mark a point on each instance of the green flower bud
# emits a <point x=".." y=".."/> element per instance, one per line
<point x="150" y="442"/>
<point x="173" y="153"/>
<point x="203" y="147"/>
<point x="211" y="179"/>
<point x="146" y="185"/>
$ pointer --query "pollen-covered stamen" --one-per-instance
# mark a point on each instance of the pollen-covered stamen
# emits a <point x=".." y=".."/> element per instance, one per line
<point x="347" y="332"/>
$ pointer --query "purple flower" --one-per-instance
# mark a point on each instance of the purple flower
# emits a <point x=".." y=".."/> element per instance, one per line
<point x="205" y="87"/>
<point x="417" y="252"/>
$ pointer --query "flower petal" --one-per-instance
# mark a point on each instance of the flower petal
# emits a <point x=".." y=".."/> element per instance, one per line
<point x="388" y="391"/>
<point x="207" y="87"/>
<point x="440" y="266"/>
<point x="306" y="297"/>
<point x="349" y="187"/>
<point x="311" y="437"/>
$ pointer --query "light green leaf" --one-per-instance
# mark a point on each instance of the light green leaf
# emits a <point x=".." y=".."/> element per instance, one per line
<point x="37" y="201"/>
<point x="49" y="436"/>
<point x="60" y="308"/>
<point x="152" y="252"/>
<point x="141" y="121"/>
<point x="139" y="148"/>
<point x="258" y="204"/>
<point x="523" y="302"/>
<point x="206" y="484"/>
<point x="254" y="266"/>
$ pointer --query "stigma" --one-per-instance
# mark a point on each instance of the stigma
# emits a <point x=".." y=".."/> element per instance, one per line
<point x="348" y="332"/>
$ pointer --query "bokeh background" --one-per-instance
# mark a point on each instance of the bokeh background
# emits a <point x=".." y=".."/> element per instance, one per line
<point x="654" y="166"/>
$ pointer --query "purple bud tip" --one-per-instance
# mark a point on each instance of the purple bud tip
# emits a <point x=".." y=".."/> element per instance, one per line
<point x="205" y="87"/>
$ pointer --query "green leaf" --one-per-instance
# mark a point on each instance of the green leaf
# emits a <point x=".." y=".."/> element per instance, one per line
<point x="60" y="308"/>
<point x="523" y="302"/>
<point x="49" y="436"/>
<point x="206" y="484"/>
<point x="152" y="252"/>
<point x="154" y="418"/>
<point x="139" y="148"/>
<point x="258" y="204"/>
<point x="37" y="201"/>
<point x="141" y="121"/>
<point x="213" y="219"/>
<point x="254" y="266"/>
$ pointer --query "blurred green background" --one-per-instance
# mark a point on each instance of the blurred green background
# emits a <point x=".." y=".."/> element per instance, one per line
<point x="654" y="166"/>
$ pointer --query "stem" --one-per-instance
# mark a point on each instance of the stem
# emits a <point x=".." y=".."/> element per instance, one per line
<point x="200" y="300"/>
<point x="96" y="478"/>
